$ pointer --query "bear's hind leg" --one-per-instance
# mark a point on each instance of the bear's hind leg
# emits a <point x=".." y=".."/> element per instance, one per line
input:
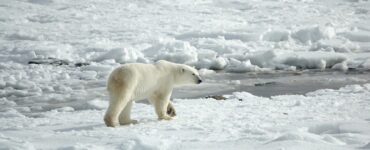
<point x="124" y="117"/>
<point x="118" y="101"/>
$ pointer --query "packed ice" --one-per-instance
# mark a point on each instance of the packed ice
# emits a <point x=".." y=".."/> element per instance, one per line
<point x="56" y="56"/>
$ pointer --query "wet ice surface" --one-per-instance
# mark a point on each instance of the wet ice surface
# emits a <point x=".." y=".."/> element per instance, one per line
<point x="271" y="84"/>
<point x="85" y="93"/>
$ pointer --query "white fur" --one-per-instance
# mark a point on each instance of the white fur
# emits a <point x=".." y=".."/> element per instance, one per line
<point x="137" y="81"/>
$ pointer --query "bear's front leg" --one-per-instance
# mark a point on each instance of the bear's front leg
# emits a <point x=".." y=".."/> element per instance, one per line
<point x="160" y="102"/>
<point x="119" y="98"/>
<point x="171" y="110"/>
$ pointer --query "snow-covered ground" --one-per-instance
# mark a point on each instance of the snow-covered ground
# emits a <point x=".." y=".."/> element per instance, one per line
<point x="59" y="104"/>
<point x="324" y="119"/>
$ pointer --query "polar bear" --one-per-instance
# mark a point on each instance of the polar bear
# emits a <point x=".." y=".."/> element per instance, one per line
<point x="137" y="81"/>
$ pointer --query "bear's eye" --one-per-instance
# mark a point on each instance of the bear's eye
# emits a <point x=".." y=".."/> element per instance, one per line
<point x="193" y="74"/>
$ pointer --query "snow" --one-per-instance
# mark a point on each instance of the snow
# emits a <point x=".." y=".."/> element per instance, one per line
<point x="122" y="56"/>
<point x="341" y="66"/>
<point x="276" y="35"/>
<point x="241" y="67"/>
<point x="336" y="119"/>
<point x="183" y="32"/>
<point x="262" y="55"/>
<point x="366" y="64"/>
<point x="173" y="50"/>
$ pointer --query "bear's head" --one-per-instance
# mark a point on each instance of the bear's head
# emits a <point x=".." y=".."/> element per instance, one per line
<point x="187" y="75"/>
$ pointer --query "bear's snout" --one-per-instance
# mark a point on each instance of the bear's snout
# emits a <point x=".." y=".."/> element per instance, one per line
<point x="199" y="81"/>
